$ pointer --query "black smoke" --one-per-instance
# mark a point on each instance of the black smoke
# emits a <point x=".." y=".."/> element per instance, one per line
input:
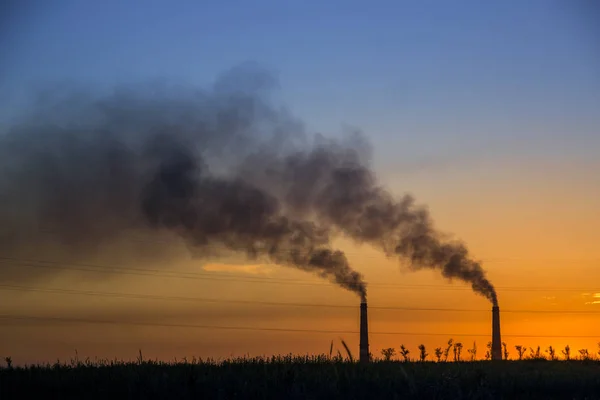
<point x="335" y="185"/>
<point x="81" y="172"/>
<point x="204" y="209"/>
<point x="222" y="167"/>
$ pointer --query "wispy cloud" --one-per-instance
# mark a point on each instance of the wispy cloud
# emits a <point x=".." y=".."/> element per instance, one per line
<point x="253" y="269"/>
<point x="593" y="296"/>
<point x="549" y="297"/>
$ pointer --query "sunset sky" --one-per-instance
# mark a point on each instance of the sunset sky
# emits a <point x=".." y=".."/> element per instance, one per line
<point x="487" y="113"/>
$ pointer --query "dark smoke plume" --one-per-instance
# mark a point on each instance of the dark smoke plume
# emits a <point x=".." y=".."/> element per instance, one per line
<point x="204" y="210"/>
<point x="82" y="171"/>
<point x="223" y="167"/>
<point x="336" y="185"/>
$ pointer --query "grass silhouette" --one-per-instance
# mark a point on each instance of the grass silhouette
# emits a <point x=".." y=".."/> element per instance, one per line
<point x="302" y="377"/>
<point x="325" y="376"/>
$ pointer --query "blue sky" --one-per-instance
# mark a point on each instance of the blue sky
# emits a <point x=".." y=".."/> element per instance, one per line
<point x="421" y="78"/>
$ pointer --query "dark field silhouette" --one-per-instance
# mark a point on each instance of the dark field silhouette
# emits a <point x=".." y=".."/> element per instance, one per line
<point x="308" y="377"/>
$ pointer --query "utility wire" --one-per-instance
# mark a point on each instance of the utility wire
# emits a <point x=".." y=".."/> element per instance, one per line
<point x="166" y="274"/>
<point x="227" y="277"/>
<point x="249" y="328"/>
<point x="265" y="303"/>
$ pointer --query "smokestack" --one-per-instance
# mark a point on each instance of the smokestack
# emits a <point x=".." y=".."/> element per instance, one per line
<point x="364" y="334"/>
<point x="496" y="341"/>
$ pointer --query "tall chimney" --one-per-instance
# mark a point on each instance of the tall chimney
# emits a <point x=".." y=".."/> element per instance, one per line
<point x="496" y="341"/>
<point x="364" y="334"/>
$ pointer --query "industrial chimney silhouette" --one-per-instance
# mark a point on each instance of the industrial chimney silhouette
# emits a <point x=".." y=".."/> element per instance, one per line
<point x="364" y="334"/>
<point x="496" y="341"/>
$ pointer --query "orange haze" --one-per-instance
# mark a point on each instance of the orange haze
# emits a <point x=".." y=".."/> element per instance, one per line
<point x="533" y="224"/>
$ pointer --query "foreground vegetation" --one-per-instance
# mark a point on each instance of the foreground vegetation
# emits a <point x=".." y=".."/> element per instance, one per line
<point x="309" y="377"/>
<point x="453" y="351"/>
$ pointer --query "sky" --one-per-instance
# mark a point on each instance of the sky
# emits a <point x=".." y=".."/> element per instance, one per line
<point x="487" y="112"/>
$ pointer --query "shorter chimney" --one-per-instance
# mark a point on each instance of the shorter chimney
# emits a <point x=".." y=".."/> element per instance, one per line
<point x="496" y="340"/>
<point x="364" y="334"/>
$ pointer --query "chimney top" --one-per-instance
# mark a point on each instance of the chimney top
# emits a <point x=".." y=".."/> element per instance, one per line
<point x="364" y="334"/>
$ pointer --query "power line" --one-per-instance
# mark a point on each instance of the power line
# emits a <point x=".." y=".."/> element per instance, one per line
<point x="225" y="277"/>
<point x="165" y="274"/>
<point x="265" y="303"/>
<point x="158" y="297"/>
<point x="249" y="328"/>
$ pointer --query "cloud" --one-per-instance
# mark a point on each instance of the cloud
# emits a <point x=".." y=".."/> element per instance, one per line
<point x="253" y="269"/>
<point x="592" y="295"/>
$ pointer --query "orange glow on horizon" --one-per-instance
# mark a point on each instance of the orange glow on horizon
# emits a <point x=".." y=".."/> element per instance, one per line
<point x="541" y="256"/>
